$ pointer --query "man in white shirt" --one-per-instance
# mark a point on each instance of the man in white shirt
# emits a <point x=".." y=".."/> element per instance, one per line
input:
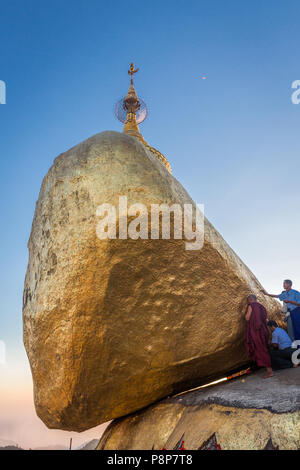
<point x="281" y="354"/>
<point x="291" y="298"/>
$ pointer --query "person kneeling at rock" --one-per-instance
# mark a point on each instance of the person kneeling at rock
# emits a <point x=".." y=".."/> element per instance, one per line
<point x="281" y="355"/>
<point x="257" y="335"/>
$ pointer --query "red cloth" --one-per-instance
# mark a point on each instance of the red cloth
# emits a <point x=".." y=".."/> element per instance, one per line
<point x="257" y="336"/>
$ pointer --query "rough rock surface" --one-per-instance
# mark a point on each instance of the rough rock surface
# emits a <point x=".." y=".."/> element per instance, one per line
<point x="247" y="413"/>
<point x="111" y="326"/>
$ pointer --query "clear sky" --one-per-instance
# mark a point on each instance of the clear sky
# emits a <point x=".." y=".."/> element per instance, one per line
<point x="232" y="139"/>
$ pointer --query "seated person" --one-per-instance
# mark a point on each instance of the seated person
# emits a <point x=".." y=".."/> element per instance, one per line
<point x="282" y="347"/>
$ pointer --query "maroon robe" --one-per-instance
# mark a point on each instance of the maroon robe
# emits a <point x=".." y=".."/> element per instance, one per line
<point x="257" y="336"/>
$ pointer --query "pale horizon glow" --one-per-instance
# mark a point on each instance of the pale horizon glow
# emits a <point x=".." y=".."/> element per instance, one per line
<point x="18" y="420"/>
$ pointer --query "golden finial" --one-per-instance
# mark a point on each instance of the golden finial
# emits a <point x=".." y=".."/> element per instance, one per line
<point x="132" y="71"/>
<point x="131" y="104"/>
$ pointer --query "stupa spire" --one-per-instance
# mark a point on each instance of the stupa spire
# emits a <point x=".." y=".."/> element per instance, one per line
<point x="131" y="104"/>
<point x="132" y="111"/>
<point x="132" y="71"/>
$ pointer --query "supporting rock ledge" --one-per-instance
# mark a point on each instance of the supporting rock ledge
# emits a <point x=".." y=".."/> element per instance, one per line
<point x="246" y="414"/>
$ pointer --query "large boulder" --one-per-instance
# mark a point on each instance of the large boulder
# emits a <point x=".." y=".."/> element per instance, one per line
<point x="113" y="325"/>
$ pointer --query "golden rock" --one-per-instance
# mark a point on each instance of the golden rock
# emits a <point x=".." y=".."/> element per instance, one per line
<point x="111" y="326"/>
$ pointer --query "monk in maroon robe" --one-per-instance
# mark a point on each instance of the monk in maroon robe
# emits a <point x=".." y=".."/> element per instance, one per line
<point x="257" y="335"/>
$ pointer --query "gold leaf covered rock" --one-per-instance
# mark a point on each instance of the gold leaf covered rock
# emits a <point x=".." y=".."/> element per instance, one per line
<point x="111" y="326"/>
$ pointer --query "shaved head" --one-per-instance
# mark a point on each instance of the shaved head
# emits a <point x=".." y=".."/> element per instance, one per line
<point x="252" y="298"/>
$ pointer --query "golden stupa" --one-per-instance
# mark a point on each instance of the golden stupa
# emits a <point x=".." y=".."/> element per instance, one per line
<point x="131" y="104"/>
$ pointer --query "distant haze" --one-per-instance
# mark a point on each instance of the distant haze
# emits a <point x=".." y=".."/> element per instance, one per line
<point x="18" y="420"/>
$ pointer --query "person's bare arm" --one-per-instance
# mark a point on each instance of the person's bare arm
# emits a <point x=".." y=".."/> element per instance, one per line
<point x="248" y="313"/>
<point x="269" y="295"/>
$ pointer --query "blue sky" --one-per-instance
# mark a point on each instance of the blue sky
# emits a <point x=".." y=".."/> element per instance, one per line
<point x="232" y="139"/>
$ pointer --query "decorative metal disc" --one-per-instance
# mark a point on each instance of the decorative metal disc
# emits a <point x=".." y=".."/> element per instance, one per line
<point x="121" y="112"/>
